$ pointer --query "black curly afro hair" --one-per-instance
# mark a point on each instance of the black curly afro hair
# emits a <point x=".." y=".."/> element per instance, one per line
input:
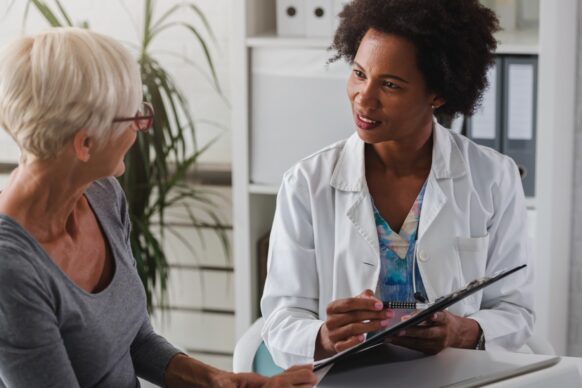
<point x="454" y="42"/>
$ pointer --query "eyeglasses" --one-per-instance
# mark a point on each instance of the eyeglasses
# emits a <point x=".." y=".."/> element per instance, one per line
<point x="144" y="118"/>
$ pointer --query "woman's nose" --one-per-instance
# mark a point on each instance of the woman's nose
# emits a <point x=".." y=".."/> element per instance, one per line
<point x="366" y="98"/>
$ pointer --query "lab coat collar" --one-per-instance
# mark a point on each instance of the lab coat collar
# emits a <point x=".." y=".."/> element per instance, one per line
<point x="349" y="172"/>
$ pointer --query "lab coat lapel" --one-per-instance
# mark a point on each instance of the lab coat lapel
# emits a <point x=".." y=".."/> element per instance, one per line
<point x="447" y="163"/>
<point x="361" y="216"/>
<point x="433" y="203"/>
<point x="349" y="180"/>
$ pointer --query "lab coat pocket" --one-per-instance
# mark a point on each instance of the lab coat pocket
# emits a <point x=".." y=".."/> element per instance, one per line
<point x="473" y="254"/>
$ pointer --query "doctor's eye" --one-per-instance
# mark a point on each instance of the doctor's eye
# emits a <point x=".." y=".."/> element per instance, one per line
<point x="390" y="85"/>
<point x="359" y="73"/>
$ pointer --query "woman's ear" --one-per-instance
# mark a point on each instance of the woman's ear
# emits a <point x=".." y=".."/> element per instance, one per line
<point x="437" y="102"/>
<point x="83" y="145"/>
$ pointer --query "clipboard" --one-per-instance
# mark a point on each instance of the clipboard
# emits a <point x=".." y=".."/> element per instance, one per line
<point x="439" y="304"/>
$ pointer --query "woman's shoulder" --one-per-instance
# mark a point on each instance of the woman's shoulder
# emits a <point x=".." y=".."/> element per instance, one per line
<point x="107" y="188"/>
<point x="107" y="191"/>
<point x="17" y="254"/>
<point x="482" y="160"/>
<point x="14" y="240"/>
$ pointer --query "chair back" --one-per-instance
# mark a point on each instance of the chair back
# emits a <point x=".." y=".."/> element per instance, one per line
<point x="251" y="354"/>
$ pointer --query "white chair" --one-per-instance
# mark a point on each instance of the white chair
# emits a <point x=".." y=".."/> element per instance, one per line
<point x="537" y="345"/>
<point x="251" y="354"/>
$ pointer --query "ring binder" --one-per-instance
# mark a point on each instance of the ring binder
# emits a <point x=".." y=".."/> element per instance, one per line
<point x="291" y="17"/>
<point x="319" y="18"/>
<point x="519" y="121"/>
<point x="484" y="127"/>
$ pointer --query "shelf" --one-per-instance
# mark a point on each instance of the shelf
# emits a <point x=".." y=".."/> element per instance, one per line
<point x="521" y="42"/>
<point x="525" y="42"/>
<point x="263" y="189"/>
<point x="272" y="40"/>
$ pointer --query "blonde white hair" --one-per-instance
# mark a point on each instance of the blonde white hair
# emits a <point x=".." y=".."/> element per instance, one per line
<point x="62" y="80"/>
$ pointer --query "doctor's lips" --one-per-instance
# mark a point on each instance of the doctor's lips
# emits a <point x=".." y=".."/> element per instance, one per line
<point x="365" y="122"/>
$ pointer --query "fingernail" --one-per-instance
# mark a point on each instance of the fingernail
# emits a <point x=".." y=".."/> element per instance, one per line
<point x="384" y="323"/>
<point x="361" y="337"/>
<point x="389" y="313"/>
<point x="378" y="306"/>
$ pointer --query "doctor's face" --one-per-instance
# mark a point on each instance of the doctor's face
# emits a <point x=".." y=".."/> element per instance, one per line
<point x="387" y="91"/>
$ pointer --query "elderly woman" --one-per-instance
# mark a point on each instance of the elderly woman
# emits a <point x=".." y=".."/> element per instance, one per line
<point x="72" y="307"/>
<point x="404" y="209"/>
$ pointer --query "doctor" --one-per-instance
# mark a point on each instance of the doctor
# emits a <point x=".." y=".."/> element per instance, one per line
<point x="404" y="209"/>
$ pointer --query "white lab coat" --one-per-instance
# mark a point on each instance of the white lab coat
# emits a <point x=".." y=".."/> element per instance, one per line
<point x="324" y="245"/>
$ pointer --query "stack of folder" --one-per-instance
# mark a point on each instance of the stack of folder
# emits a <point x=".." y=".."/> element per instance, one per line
<point x="308" y="18"/>
<point x="506" y="120"/>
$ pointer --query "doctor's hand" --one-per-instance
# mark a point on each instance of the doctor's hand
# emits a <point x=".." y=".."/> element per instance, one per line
<point x="348" y="320"/>
<point x="442" y="330"/>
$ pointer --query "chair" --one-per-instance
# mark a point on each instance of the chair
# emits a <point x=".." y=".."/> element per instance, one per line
<point x="537" y="345"/>
<point x="251" y="354"/>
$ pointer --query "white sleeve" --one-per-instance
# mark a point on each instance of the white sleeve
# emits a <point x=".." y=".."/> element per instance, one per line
<point x="291" y="295"/>
<point x="507" y="309"/>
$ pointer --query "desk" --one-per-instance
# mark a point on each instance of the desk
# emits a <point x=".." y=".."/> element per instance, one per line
<point x="391" y="366"/>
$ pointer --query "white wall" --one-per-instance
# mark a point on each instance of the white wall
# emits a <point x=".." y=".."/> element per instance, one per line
<point x="575" y="296"/>
<point x="121" y="19"/>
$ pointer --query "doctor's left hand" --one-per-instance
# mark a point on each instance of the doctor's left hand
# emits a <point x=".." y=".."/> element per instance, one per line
<point x="442" y="330"/>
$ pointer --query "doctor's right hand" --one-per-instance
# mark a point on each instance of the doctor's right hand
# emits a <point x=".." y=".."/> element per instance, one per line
<point x="348" y="320"/>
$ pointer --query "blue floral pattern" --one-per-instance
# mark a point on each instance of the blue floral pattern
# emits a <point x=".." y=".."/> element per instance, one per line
<point x="397" y="254"/>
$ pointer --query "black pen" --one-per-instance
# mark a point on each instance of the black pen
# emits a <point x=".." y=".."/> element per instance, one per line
<point x="406" y="305"/>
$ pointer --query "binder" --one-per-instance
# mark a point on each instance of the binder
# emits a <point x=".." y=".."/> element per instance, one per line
<point x="519" y="119"/>
<point x="320" y="18"/>
<point x="484" y="127"/>
<point x="291" y="17"/>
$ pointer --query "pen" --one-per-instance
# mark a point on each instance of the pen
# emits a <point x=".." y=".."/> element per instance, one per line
<point x="406" y="305"/>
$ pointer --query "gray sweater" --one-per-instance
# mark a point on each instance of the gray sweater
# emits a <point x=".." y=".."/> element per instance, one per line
<point x="55" y="334"/>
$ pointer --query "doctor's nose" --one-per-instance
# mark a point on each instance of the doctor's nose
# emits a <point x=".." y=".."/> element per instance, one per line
<point x="366" y="99"/>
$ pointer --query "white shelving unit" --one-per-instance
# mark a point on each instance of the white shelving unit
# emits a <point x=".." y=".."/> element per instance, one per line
<point x="549" y="213"/>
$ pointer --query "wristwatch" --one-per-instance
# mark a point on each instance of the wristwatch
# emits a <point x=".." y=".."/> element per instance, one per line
<point x="481" y="341"/>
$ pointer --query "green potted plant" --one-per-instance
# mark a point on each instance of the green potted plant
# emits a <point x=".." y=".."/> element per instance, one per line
<point x="158" y="165"/>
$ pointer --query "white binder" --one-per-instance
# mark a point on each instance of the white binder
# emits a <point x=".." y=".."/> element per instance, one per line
<point x="320" y="18"/>
<point x="291" y="17"/>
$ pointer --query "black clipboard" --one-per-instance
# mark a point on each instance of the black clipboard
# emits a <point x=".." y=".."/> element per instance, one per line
<point x="440" y="304"/>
